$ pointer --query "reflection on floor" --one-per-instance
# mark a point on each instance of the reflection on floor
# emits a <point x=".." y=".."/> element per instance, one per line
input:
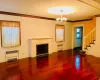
<point x="57" y="66"/>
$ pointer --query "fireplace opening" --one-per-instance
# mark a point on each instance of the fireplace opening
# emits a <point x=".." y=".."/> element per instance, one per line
<point x="42" y="49"/>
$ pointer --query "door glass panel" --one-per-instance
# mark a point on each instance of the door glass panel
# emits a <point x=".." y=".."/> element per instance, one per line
<point x="78" y="30"/>
<point x="78" y="33"/>
<point x="77" y="36"/>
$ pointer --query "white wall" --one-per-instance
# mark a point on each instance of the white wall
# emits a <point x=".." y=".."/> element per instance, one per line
<point x="35" y="28"/>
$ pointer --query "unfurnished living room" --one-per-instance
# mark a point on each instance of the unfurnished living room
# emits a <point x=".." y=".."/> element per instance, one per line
<point x="49" y="39"/>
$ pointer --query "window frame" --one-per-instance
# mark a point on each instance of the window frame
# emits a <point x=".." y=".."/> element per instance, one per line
<point x="63" y="27"/>
<point x="1" y="21"/>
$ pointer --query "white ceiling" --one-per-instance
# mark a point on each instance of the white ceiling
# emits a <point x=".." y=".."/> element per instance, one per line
<point x="40" y="7"/>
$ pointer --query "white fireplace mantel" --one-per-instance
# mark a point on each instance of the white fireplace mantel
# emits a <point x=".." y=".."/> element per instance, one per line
<point x="39" y="38"/>
<point x="35" y="41"/>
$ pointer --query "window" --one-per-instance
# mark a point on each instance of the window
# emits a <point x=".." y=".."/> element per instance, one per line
<point x="59" y="33"/>
<point x="10" y="33"/>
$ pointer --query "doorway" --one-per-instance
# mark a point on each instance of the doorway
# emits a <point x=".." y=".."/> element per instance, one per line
<point x="78" y="38"/>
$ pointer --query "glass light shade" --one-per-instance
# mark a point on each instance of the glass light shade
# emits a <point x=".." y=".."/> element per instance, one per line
<point x="61" y="19"/>
<point x="64" y="19"/>
<point x="58" y="19"/>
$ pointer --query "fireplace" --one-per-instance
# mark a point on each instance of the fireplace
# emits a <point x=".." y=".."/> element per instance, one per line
<point x="40" y="46"/>
<point x="41" y="49"/>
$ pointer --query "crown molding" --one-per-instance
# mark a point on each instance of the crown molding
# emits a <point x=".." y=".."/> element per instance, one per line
<point x="25" y="15"/>
<point x="97" y="15"/>
<point x="38" y="17"/>
<point x="81" y="20"/>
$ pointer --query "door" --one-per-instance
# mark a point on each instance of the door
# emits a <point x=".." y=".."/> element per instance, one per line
<point x="78" y="37"/>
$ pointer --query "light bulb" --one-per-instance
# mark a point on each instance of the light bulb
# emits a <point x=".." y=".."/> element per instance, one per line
<point x="58" y="19"/>
<point x="64" y="19"/>
<point x="61" y="19"/>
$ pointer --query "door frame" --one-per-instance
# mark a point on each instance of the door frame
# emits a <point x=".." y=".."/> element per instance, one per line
<point x="74" y="35"/>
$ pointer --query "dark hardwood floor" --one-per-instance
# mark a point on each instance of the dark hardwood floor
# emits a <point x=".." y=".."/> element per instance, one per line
<point x="57" y="66"/>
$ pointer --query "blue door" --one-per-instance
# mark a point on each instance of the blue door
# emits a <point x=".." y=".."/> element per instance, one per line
<point x="78" y="37"/>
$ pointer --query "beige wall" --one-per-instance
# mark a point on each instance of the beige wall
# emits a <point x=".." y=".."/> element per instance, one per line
<point x="94" y="50"/>
<point x="36" y="28"/>
<point x="87" y="27"/>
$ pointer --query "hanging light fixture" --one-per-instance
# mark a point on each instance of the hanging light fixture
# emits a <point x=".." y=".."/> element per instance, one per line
<point x="61" y="10"/>
<point x="61" y="18"/>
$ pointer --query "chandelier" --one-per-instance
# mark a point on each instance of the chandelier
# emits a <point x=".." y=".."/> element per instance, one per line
<point x="61" y="18"/>
<point x="61" y="10"/>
